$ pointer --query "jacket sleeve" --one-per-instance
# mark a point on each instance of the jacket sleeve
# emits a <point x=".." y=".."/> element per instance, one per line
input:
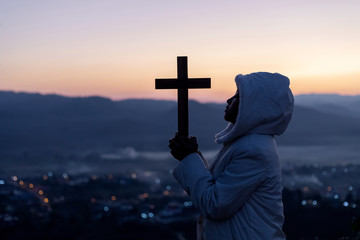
<point x="221" y="198"/>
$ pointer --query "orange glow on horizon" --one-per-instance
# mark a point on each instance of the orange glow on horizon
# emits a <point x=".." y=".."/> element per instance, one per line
<point x="128" y="81"/>
<point x="346" y="84"/>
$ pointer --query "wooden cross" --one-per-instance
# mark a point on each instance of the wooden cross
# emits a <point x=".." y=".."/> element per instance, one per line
<point x="182" y="83"/>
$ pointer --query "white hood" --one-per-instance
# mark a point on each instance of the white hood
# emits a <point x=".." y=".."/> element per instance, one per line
<point x="266" y="106"/>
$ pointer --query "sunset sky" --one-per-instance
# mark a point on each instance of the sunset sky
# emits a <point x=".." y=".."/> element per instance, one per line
<point x="116" y="48"/>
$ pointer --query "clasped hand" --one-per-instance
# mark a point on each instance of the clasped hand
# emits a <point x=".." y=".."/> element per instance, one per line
<point x="182" y="146"/>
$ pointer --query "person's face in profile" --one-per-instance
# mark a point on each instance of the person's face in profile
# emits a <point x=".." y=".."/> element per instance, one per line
<point x="232" y="108"/>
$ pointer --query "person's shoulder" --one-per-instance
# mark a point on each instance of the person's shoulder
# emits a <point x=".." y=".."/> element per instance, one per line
<point x="253" y="140"/>
<point x="255" y="144"/>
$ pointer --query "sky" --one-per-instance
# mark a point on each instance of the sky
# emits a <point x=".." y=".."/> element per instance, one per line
<point x="116" y="48"/>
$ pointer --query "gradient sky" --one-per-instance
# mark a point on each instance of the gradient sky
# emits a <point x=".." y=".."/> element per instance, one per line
<point x="117" y="48"/>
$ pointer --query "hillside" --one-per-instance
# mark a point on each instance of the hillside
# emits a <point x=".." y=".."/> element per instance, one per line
<point x="34" y="122"/>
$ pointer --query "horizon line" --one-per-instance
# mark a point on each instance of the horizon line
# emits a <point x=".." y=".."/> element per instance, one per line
<point x="156" y="99"/>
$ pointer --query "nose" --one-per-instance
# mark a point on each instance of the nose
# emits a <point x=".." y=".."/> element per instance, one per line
<point x="229" y="100"/>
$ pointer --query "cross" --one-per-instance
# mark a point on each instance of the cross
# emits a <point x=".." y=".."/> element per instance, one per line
<point x="182" y="83"/>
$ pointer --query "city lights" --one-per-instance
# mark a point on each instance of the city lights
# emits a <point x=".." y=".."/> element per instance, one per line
<point x="188" y="203"/>
<point x="65" y="176"/>
<point x="157" y="199"/>
<point x="143" y="196"/>
<point x="147" y="215"/>
<point x="163" y="202"/>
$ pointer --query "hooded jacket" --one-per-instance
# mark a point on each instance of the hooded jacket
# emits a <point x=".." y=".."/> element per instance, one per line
<point x="240" y="195"/>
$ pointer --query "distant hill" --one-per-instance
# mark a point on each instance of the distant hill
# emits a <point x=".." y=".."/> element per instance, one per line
<point x="341" y="100"/>
<point x="331" y="103"/>
<point x="35" y="122"/>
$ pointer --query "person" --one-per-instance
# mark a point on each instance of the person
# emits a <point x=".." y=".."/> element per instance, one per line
<point x="240" y="195"/>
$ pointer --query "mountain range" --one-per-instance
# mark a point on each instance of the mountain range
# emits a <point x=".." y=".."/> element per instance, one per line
<point x="35" y="122"/>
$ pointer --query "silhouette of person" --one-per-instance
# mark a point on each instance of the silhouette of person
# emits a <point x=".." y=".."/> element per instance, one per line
<point x="240" y="194"/>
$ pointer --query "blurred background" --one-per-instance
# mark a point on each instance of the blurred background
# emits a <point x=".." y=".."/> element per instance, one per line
<point x="84" y="133"/>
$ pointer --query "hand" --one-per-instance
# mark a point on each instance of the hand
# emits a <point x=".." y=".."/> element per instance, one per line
<point x="182" y="146"/>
